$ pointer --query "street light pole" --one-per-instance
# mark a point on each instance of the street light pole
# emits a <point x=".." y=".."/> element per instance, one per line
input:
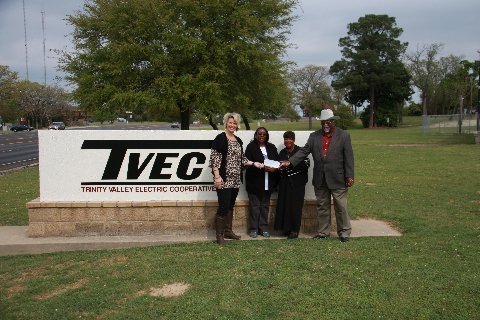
<point x="460" y="116"/>
<point x="478" y="97"/>
<point x="478" y="100"/>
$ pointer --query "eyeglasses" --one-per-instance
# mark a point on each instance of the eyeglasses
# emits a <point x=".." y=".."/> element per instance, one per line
<point x="326" y="121"/>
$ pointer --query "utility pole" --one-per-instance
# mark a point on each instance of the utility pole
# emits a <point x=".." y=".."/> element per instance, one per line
<point x="25" y="30"/>
<point x="478" y="97"/>
<point x="460" y="116"/>
<point x="44" y="64"/>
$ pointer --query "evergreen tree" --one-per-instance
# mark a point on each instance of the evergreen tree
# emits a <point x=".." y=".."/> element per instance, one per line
<point x="371" y="68"/>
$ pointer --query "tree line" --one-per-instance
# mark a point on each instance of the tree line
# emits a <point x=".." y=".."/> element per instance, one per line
<point x="23" y="101"/>
<point x="377" y="72"/>
<point x="199" y="59"/>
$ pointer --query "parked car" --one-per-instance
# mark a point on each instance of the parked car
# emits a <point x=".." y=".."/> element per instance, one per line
<point x="21" y="127"/>
<point x="57" y="126"/>
<point x="174" y="125"/>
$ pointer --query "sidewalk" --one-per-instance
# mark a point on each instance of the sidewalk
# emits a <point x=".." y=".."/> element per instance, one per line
<point x="14" y="240"/>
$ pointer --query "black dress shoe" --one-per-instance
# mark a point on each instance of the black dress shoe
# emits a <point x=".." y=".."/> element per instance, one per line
<point x="344" y="239"/>
<point x="319" y="237"/>
<point x="293" y="235"/>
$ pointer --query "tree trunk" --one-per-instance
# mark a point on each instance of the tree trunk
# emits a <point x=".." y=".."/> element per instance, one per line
<point x="306" y="112"/>
<point x="371" y="122"/>
<point x="212" y="123"/>
<point x="400" y="113"/>
<point x="245" y="121"/>
<point x="184" y="117"/>
<point x="424" y="103"/>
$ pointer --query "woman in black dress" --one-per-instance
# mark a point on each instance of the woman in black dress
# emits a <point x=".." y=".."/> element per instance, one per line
<point x="291" y="190"/>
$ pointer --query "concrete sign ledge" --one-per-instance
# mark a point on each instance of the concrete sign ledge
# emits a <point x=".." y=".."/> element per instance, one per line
<point x="14" y="240"/>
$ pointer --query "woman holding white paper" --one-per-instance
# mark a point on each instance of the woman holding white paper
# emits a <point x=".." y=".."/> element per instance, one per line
<point x="260" y="182"/>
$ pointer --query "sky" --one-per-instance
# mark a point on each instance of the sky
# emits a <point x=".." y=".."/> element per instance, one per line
<point x="315" y="34"/>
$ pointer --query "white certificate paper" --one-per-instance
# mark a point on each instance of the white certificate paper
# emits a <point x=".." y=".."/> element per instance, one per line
<point x="271" y="163"/>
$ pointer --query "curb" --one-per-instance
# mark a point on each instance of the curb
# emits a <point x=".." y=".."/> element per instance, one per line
<point x="14" y="239"/>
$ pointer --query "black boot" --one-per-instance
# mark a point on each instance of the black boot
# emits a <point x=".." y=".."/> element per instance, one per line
<point x="228" y="227"/>
<point x="219" y="228"/>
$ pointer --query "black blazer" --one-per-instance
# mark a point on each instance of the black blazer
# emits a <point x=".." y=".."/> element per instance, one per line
<point x="254" y="177"/>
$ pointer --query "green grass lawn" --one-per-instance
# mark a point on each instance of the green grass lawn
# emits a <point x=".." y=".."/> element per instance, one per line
<point x="427" y="186"/>
<point x="16" y="189"/>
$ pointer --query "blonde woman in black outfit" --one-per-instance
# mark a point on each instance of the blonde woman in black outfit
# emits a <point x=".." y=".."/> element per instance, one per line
<point x="226" y="160"/>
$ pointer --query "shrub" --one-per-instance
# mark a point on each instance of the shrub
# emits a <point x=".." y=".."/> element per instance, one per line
<point x="413" y="109"/>
<point x="346" y="118"/>
<point x="384" y="118"/>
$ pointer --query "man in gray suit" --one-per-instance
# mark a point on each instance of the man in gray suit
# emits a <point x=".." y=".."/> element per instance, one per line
<point x="333" y="173"/>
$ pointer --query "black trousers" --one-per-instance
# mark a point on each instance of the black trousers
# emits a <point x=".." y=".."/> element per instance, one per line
<point x="259" y="208"/>
<point x="226" y="200"/>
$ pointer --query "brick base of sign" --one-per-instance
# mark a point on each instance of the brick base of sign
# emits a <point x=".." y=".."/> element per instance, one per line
<point x="72" y="219"/>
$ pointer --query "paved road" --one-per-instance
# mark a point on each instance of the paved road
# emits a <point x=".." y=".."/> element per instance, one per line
<point x="129" y="126"/>
<point x="20" y="149"/>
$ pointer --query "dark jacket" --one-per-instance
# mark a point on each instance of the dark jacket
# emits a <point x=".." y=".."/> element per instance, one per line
<point x="299" y="172"/>
<point x="254" y="177"/>
<point x="336" y="166"/>
<point x="220" y="144"/>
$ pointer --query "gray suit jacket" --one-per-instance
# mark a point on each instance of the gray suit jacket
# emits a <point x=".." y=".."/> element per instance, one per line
<point x="337" y="165"/>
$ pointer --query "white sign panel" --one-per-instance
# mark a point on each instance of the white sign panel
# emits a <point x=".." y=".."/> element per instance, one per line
<point x="135" y="165"/>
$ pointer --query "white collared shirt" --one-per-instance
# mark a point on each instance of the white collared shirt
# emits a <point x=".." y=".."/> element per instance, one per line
<point x="264" y="152"/>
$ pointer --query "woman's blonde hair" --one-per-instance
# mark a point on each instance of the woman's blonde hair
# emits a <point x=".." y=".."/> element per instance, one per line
<point x="234" y="115"/>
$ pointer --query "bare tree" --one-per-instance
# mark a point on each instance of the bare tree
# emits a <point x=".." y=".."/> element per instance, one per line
<point x="310" y="88"/>
<point x="39" y="103"/>
<point x="425" y="71"/>
<point x="454" y="84"/>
